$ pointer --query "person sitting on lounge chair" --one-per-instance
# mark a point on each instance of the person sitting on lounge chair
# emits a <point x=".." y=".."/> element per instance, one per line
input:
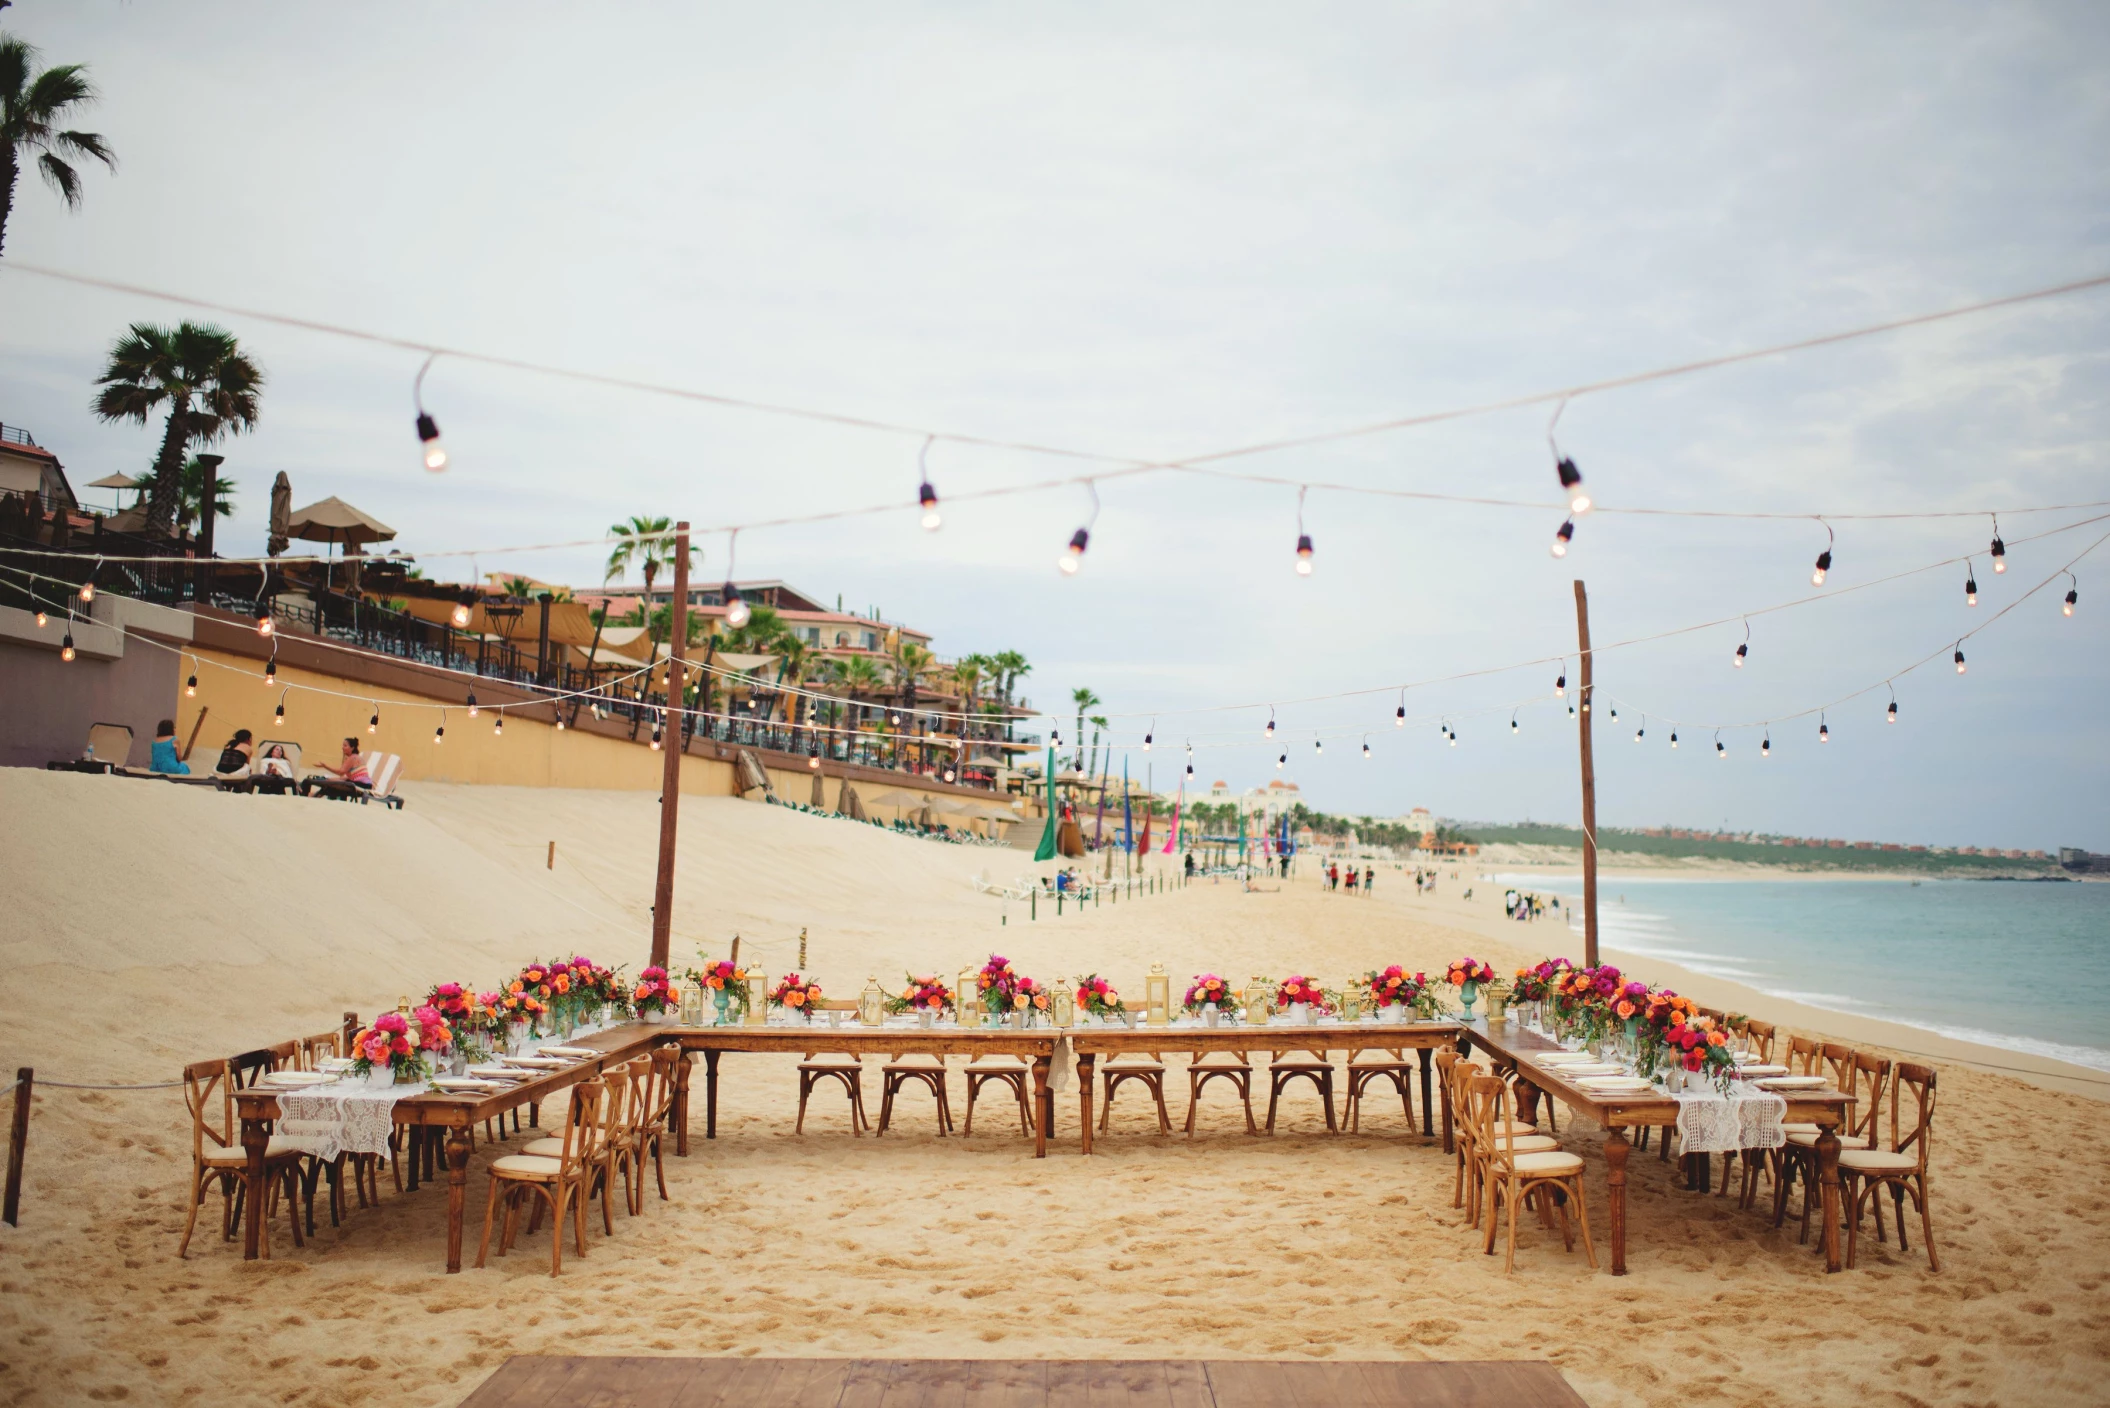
<point x="353" y="774"/>
<point x="234" y="758"/>
<point x="164" y="757"/>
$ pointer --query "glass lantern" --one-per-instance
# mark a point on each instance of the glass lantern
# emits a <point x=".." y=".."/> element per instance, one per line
<point x="757" y="999"/>
<point x="1259" y="1000"/>
<point x="692" y="1005"/>
<point x="1157" y="995"/>
<point x="871" y="1003"/>
<point x="1062" y="1004"/>
<point x="966" y="999"/>
<point x="1351" y="1001"/>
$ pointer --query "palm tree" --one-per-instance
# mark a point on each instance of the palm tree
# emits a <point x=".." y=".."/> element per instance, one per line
<point x="191" y="504"/>
<point x="793" y="662"/>
<point x="857" y="676"/>
<point x="1084" y="699"/>
<point x="1098" y="723"/>
<point x="200" y="373"/>
<point x="1010" y="667"/>
<point x="31" y="109"/>
<point x="967" y="677"/>
<point x="648" y="544"/>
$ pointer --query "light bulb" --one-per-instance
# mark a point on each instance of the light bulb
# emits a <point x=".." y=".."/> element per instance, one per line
<point x="429" y="433"/>
<point x="271" y="671"/>
<point x="1615" y="713"/>
<point x="1190" y="769"/>
<point x="439" y="735"/>
<point x="263" y="620"/>
<point x="655" y="737"/>
<point x="948" y="774"/>
<point x="1960" y="666"/>
<point x="1513" y="727"/>
<point x="42" y="620"/>
<point x="1562" y="537"/>
<point x="1970" y="591"/>
<point x="1304" y="554"/>
<point x="560" y="721"/>
<point x="1560" y="684"/>
<point x="1146" y="743"/>
<point x="1317" y="746"/>
<point x="373" y="725"/>
<point x="1637" y="734"/>
<point x="2071" y="597"/>
<point x="1824" y="733"/>
<point x="1399" y="717"/>
<point x="1571" y="711"/>
<point x="1999" y="555"/>
<point x="190" y="688"/>
<point x="814" y="762"/>
<point x="66" y="648"/>
<point x="1892" y="717"/>
<point x="1586" y="706"/>
<point x="472" y="704"/>
<point x="88" y="590"/>
<point x="928" y="497"/>
<point x="1765" y="747"/>
<point x="1824" y="565"/>
<point x="1366" y="750"/>
<point x="1280" y="761"/>
<point x="1673" y="738"/>
<point x="1454" y="740"/>
<point x="1742" y="651"/>
<point x="461" y="613"/>
<point x="1269" y="731"/>
<point x="498" y="725"/>
<point x="1073" y="556"/>
<point x="279" y="717"/>
<point x="1720" y="751"/>
<point x="1571" y="484"/>
<point x="737" y="612"/>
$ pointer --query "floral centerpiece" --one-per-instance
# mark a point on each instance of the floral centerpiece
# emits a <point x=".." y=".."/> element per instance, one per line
<point x="474" y="1018"/>
<point x="1300" y="991"/>
<point x="655" y="997"/>
<point x="402" y="1046"/>
<point x="996" y="985"/>
<point x="1701" y="1048"/>
<point x="795" y="995"/>
<point x="924" y="994"/>
<point x="723" y="984"/>
<point x="1469" y="975"/>
<point x="1096" y="997"/>
<point x="1535" y="985"/>
<point x="1210" y="993"/>
<point x="518" y="1004"/>
<point x="1394" y="986"/>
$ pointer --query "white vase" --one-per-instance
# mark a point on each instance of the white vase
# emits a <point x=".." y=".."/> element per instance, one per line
<point x="657" y="1017"/>
<point x="381" y="1077"/>
<point x="1392" y="1012"/>
<point x="926" y="1019"/>
<point x="1210" y="1016"/>
<point x="1300" y="1014"/>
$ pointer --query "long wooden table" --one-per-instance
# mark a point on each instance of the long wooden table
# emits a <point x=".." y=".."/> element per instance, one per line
<point x="1510" y="1045"/>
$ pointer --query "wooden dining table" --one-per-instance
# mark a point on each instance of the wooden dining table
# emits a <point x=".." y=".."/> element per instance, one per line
<point x="1510" y="1045"/>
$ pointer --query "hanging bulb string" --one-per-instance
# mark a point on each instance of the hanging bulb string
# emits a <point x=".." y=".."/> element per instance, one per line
<point x="1939" y="652"/>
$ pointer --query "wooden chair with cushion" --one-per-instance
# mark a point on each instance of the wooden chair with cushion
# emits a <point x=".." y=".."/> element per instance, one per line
<point x="817" y="1066"/>
<point x="1864" y="1079"/>
<point x="1149" y="1069"/>
<point x="1514" y="1175"/>
<point x="1011" y="1072"/>
<point x="919" y="1069"/>
<point x="615" y="1145"/>
<point x="1284" y="1067"/>
<point x="659" y="1116"/>
<point x="1758" y="1039"/>
<point x="1458" y="1075"/>
<point x="217" y="1157"/>
<point x="559" y="1184"/>
<point x="1902" y="1168"/>
<point x="1367" y="1067"/>
<point x="1232" y="1066"/>
<point x="312" y="1049"/>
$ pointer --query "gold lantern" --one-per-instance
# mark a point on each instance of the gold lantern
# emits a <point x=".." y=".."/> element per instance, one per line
<point x="871" y="1003"/>
<point x="1351" y="1001"/>
<point x="1259" y="1000"/>
<point x="757" y="999"/>
<point x="967" y="999"/>
<point x="692" y="1005"/>
<point x="1062" y="1004"/>
<point x="1157" y="996"/>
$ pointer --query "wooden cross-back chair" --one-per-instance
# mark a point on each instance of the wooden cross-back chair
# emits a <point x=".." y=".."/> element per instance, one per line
<point x="1368" y="1067"/>
<point x="1145" y="1069"/>
<point x="612" y="1148"/>
<point x="1866" y="1075"/>
<point x="903" y="1069"/>
<point x="218" y="1158"/>
<point x="1300" y="1064"/>
<point x="1902" y="1168"/>
<point x="560" y="1185"/>
<point x="312" y="1049"/>
<point x="1758" y="1038"/>
<point x="1233" y="1066"/>
<point x="817" y="1066"/>
<point x="1511" y="1175"/>
<point x="660" y="1093"/>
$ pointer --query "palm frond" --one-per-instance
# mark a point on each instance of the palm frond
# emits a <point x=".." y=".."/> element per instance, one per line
<point x="53" y="91"/>
<point x="85" y="144"/>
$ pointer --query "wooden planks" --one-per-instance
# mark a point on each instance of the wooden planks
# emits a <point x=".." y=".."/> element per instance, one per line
<point x="529" y="1381"/>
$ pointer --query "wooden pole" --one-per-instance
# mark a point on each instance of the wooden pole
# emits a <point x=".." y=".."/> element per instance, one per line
<point x="25" y="1081"/>
<point x="672" y="749"/>
<point x="1589" y="781"/>
<point x="552" y="856"/>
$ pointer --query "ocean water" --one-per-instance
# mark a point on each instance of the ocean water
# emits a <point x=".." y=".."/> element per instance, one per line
<point x="2019" y="965"/>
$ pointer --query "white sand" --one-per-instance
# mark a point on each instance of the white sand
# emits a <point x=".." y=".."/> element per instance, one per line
<point x="149" y="925"/>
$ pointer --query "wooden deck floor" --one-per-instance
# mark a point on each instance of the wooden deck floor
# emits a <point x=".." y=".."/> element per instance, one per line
<point x="530" y="1381"/>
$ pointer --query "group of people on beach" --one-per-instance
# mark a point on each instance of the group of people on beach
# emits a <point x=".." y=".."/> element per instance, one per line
<point x="273" y="772"/>
<point x="1335" y="876"/>
<point x="1524" y="907"/>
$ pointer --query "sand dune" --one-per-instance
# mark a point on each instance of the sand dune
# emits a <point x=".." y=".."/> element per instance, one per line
<point x="148" y="925"/>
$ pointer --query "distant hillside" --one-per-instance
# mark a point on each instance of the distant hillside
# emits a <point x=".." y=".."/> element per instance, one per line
<point x="1762" y="853"/>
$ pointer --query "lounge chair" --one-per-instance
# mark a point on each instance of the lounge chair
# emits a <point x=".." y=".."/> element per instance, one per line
<point x="108" y="749"/>
<point x="383" y="768"/>
<point x="274" y="774"/>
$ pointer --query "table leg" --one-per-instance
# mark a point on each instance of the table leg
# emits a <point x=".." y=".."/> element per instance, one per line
<point x="1828" y="1183"/>
<point x="1527" y="1103"/>
<point x="1085" y="1061"/>
<point x="681" y="1106"/>
<point x="1448" y="1146"/>
<point x="710" y="1093"/>
<point x="1616" y="1149"/>
<point x="457" y="1191"/>
<point x="413" y="1156"/>
<point x="1428" y="1110"/>
<point x="1043" y="1107"/>
<point x="256" y="1137"/>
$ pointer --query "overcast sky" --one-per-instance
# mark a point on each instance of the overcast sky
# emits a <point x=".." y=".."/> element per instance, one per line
<point x="1165" y="234"/>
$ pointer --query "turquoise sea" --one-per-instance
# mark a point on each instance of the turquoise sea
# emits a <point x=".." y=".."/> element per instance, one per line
<point x="2016" y="964"/>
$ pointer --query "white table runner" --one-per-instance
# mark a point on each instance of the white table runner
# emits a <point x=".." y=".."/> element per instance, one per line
<point x="349" y="1117"/>
<point x="1747" y="1118"/>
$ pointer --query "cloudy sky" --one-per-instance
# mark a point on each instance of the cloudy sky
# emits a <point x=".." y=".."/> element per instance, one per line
<point x="1164" y="234"/>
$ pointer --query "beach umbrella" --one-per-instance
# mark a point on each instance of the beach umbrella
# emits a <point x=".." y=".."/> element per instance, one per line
<point x="116" y="481"/>
<point x="281" y="514"/>
<point x="332" y="520"/>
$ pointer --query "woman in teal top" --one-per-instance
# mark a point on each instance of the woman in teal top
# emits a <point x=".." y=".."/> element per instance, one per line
<point x="164" y="757"/>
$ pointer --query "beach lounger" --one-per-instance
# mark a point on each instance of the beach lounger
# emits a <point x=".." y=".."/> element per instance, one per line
<point x="383" y="768"/>
<point x="108" y="748"/>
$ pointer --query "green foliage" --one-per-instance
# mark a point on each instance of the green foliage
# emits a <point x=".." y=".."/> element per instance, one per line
<point x="33" y="107"/>
<point x="1759" y="851"/>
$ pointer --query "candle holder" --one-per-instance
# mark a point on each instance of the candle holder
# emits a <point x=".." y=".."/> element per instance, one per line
<point x="1062" y="1004"/>
<point x="1259" y="1000"/>
<point x="871" y="1003"/>
<point x="967" y="999"/>
<point x="757" y="1000"/>
<point x="1157" y="995"/>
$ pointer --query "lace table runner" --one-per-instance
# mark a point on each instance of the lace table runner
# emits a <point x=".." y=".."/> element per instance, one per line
<point x="1747" y="1118"/>
<point x="349" y="1117"/>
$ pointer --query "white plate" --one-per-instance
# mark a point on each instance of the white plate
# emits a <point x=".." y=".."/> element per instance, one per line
<point x="288" y="1080"/>
<point x="1756" y="1070"/>
<point x="462" y="1085"/>
<point x="1576" y="1068"/>
<point x="1793" y="1082"/>
<point x="1621" y="1084"/>
<point x="577" y="1051"/>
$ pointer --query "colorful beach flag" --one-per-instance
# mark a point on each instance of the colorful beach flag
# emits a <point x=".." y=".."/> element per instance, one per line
<point x="1046" y="850"/>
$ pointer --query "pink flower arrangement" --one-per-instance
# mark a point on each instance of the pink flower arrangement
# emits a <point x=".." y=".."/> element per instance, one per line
<point x="1097" y="996"/>
<point x="996" y="984"/>
<point x="1299" y="988"/>
<point x="1208" y="990"/>
<point x="392" y="1042"/>
<point x="655" y="992"/>
<point x="1468" y="970"/>
<point x="1396" y="985"/>
<point x="923" y="994"/>
<point x="795" y="994"/>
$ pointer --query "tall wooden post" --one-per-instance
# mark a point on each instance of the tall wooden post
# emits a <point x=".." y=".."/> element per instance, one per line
<point x="1589" y="781"/>
<point x="672" y="748"/>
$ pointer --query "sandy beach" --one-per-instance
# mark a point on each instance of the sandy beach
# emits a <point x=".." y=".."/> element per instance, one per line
<point x="152" y="925"/>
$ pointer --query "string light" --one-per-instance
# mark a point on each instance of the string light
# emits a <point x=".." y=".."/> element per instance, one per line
<point x="737" y="611"/>
<point x="472" y="703"/>
<point x="1615" y="712"/>
<point x="461" y="613"/>
<point x="1641" y="730"/>
<point x="1303" y="538"/>
<point x="1513" y="724"/>
<point x="279" y="716"/>
<point x="88" y="587"/>
<point x="1970" y="584"/>
<point x="498" y="724"/>
<point x="656" y="733"/>
<point x="271" y="672"/>
<point x="813" y="761"/>
<point x="2073" y="596"/>
<point x="1765" y="746"/>
<point x="1454" y="738"/>
<point x="439" y="735"/>
<point x="1280" y="761"/>
<point x="560" y="721"/>
<point x="1824" y="730"/>
<point x="263" y="615"/>
<point x="1892" y="716"/>
<point x="373" y="725"/>
<point x="925" y="495"/>
<point x="42" y="619"/>
<point x="1673" y="739"/>
<point x="1269" y="731"/>
<point x="1149" y="735"/>
<point x="1824" y="559"/>
<point x="1570" y="476"/>
<point x="1562" y="536"/>
<point x="1999" y="549"/>
<point x="1560" y="683"/>
<point x="1366" y="747"/>
<point x="1743" y="651"/>
<point x="1719" y="750"/>
<point x="1399" y="715"/>
<point x="1073" y="556"/>
<point x="190" y="686"/>
<point x="428" y="428"/>
<point x="1318" y="746"/>
<point x="66" y="648"/>
<point x="1960" y="666"/>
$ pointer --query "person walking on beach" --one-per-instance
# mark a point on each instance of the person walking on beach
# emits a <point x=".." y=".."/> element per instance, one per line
<point x="1369" y="878"/>
<point x="1190" y="865"/>
<point x="1351" y="879"/>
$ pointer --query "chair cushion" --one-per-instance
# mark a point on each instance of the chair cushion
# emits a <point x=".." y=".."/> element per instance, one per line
<point x="1807" y="1139"/>
<point x="1877" y="1161"/>
<point x="1800" y="1128"/>
<point x="1132" y="1063"/>
<point x="1548" y="1164"/>
<point x="234" y="1157"/>
<point x="528" y="1166"/>
<point x="545" y="1149"/>
<point x="1528" y="1144"/>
